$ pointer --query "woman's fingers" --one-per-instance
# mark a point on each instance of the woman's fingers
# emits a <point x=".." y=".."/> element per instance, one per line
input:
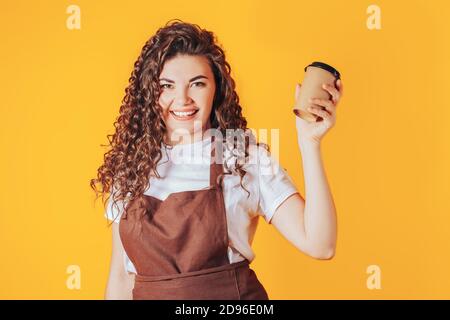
<point x="327" y="104"/>
<point x="335" y="93"/>
<point x="340" y="87"/>
<point x="319" y="111"/>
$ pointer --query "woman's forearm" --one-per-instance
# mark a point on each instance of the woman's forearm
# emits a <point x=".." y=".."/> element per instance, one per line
<point x="320" y="212"/>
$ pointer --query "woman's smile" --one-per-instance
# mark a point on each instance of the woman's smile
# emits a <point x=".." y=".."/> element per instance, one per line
<point x="183" y="115"/>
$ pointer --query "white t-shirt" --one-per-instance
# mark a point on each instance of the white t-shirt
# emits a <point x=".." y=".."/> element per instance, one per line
<point x="186" y="167"/>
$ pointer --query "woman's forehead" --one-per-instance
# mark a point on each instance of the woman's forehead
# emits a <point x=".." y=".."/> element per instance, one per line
<point x="184" y="68"/>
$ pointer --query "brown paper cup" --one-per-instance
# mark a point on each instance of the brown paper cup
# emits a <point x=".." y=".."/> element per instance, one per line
<point x="316" y="74"/>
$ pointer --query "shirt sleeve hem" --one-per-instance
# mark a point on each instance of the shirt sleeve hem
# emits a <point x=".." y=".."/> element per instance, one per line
<point x="277" y="202"/>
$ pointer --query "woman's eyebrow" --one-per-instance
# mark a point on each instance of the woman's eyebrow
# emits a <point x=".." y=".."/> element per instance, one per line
<point x="193" y="79"/>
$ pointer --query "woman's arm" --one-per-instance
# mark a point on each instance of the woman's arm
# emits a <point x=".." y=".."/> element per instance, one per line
<point x="120" y="282"/>
<point x="311" y="225"/>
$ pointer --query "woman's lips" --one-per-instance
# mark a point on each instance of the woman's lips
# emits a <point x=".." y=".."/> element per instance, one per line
<point x="184" y="115"/>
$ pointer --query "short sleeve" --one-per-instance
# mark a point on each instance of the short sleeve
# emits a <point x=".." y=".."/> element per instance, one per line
<point x="113" y="212"/>
<point x="275" y="185"/>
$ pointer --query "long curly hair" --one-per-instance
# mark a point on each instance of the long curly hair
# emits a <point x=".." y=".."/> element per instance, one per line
<point x="135" y="147"/>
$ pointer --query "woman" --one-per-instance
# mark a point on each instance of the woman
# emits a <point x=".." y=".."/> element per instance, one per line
<point x="185" y="223"/>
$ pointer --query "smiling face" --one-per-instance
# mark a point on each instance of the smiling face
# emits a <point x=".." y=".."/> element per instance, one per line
<point x="187" y="93"/>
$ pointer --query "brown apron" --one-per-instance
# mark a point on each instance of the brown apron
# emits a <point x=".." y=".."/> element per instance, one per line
<point x="179" y="246"/>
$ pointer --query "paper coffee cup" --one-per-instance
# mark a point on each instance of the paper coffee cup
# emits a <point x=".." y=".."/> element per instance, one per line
<point x="316" y="74"/>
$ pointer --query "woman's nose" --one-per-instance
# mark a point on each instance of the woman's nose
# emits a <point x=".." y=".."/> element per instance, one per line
<point x="182" y="97"/>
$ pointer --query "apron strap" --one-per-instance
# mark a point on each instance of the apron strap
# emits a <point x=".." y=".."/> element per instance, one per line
<point x="216" y="166"/>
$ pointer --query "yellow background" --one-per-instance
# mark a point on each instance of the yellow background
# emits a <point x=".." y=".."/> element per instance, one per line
<point x="386" y="159"/>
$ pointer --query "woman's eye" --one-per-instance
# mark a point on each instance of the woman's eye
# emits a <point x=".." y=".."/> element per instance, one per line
<point x="199" y="84"/>
<point x="165" y="86"/>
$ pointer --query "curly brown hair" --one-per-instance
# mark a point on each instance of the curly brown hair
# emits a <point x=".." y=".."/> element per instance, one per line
<point x="135" y="147"/>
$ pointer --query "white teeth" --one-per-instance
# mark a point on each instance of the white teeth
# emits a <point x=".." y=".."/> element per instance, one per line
<point x="184" y="114"/>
